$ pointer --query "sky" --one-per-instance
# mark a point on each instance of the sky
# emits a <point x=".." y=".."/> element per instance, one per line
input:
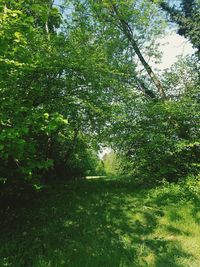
<point x="173" y="45"/>
<point x="105" y="150"/>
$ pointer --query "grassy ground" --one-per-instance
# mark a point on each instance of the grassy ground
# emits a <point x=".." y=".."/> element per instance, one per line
<point x="102" y="223"/>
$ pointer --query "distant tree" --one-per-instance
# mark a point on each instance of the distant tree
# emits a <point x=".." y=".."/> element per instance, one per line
<point x="111" y="163"/>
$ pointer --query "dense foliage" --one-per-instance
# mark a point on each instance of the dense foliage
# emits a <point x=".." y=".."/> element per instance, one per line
<point x="162" y="140"/>
<point x="76" y="75"/>
<point x="53" y="94"/>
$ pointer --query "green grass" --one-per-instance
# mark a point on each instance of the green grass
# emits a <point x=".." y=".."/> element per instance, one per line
<point x="102" y="223"/>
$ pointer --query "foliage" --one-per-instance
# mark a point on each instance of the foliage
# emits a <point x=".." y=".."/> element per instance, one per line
<point x="182" y="77"/>
<point x="65" y="88"/>
<point x="183" y="191"/>
<point x="25" y="122"/>
<point x="161" y="140"/>
<point x="135" y="23"/>
<point x="53" y="93"/>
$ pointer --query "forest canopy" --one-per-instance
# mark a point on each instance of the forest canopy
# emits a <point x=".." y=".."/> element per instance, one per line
<point x="75" y="75"/>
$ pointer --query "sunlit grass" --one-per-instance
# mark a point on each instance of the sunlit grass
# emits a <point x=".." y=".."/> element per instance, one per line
<point x="102" y="223"/>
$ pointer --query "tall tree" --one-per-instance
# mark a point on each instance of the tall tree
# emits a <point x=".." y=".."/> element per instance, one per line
<point x="123" y="14"/>
<point x="56" y="87"/>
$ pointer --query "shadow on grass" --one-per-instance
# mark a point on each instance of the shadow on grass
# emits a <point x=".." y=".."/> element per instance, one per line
<point x="92" y="223"/>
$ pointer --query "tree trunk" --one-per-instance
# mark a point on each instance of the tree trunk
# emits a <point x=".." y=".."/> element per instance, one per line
<point x="128" y="33"/>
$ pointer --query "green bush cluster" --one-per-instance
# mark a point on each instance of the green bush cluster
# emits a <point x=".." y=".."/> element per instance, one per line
<point x="162" y="139"/>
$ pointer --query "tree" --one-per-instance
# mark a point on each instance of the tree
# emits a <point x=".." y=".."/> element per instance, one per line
<point x="124" y="15"/>
<point x="54" y="90"/>
<point x="186" y="14"/>
<point x="161" y="139"/>
<point x="32" y="114"/>
<point x="111" y="163"/>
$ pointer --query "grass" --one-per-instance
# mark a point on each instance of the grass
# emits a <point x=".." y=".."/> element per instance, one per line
<point x="102" y="223"/>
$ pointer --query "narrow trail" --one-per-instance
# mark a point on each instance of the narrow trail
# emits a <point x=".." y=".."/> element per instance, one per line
<point x="97" y="222"/>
